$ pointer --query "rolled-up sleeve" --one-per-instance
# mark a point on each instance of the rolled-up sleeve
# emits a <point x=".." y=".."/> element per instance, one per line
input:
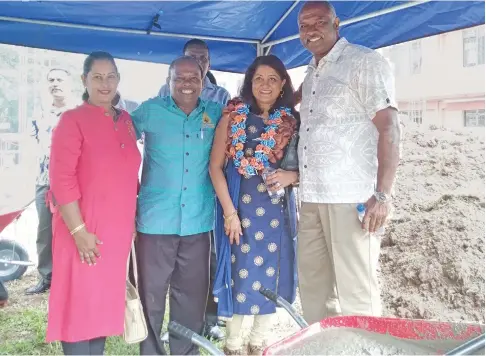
<point x="66" y="147"/>
<point x="376" y="88"/>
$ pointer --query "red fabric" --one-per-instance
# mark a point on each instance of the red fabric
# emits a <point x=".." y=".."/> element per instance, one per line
<point x="95" y="161"/>
<point x="6" y="219"/>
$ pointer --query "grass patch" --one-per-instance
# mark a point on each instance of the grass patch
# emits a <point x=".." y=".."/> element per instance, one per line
<point x="23" y="332"/>
<point x="23" y="325"/>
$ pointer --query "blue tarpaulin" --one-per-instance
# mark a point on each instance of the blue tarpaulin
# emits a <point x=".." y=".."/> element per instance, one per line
<point x="236" y="31"/>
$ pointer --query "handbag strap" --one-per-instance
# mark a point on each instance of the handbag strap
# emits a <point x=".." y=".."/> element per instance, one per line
<point x="133" y="256"/>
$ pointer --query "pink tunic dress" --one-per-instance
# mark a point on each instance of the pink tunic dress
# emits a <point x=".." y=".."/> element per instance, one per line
<point x="95" y="161"/>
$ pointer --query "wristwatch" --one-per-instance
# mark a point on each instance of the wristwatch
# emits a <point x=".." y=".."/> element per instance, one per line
<point x="382" y="198"/>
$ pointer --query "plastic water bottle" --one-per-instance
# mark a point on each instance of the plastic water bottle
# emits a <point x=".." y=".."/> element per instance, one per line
<point x="279" y="193"/>
<point x="361" y="208"/>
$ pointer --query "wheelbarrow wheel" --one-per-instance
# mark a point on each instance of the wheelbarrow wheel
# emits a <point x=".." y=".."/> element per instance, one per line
<point x="12" y="251"/>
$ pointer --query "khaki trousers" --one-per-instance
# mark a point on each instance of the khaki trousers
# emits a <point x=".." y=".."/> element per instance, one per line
<point x="337" y="263"/>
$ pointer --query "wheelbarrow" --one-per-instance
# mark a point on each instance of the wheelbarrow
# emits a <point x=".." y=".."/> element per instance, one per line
<point x="14" y="258"/>
<point x="426" y="337"/>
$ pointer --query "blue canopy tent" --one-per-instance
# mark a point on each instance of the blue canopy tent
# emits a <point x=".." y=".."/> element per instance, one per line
<point x="236" y="31"/>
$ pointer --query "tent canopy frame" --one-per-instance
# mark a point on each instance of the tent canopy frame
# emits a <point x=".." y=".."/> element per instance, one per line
<point x="263" y="46"/>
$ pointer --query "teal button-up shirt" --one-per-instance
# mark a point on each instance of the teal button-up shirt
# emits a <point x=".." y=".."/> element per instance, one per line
<point x="176" y="194"/>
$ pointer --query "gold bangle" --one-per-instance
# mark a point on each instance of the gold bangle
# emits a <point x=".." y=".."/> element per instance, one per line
<point x="77" y="229"/>
<point x="230" y="217"/>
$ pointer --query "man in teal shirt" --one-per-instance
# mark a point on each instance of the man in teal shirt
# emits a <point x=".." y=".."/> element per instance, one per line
<point x="175" y="211"/>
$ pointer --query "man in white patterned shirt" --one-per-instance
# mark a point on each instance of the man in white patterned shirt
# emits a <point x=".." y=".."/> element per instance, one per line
<point x="348" y="154"/>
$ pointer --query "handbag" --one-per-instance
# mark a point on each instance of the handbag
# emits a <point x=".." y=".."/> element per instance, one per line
<point x="135" y="329"/>
<point x="290" y="161"/>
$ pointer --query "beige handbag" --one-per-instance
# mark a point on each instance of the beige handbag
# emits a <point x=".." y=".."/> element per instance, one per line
<point x="135" y="324"/>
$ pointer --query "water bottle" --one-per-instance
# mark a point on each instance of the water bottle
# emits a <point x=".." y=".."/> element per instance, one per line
<point x="361" y="208"/>
<point x="279" y="193"/>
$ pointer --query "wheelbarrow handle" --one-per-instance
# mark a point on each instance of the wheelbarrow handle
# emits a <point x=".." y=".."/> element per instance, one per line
<point x="280" y="302"/>
<point x="185" y="333"/>
<point x="469" y="347"/>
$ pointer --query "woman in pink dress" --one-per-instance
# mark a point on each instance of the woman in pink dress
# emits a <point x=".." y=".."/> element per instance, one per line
<point x="94" y="179"/>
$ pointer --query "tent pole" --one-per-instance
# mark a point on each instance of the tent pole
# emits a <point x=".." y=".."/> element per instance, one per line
<point x="355" y="19"/>
<point x="122" y="30"/>
<point x="259" y="50"/>
<point x="279" y="22"/>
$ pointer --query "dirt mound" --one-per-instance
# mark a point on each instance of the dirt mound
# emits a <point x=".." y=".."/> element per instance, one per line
<point x="432" y="263"/>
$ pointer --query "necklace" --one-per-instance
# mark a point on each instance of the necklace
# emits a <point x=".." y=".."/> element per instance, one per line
<point x="257" y="162"/>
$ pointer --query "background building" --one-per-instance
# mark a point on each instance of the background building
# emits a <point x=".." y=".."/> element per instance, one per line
<point x="440" y="79"/>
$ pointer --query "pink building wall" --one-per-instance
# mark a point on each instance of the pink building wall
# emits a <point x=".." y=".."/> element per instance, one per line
<point x="441" y="76"/>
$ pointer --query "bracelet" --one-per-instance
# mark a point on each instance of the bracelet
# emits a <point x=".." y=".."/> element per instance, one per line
<point x="229" y="217"/>
<point x="77" y="229"/>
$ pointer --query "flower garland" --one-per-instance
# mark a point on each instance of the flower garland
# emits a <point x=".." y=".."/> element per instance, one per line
<point x="250" y="166"/>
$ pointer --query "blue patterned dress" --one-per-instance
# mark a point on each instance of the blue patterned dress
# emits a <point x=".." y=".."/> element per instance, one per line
<point x="266" y="253"/>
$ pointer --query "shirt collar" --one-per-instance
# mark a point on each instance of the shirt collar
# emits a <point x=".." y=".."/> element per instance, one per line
<point x="333" y="54"/>
<point x="58" y="111"/>
<point x="207" y="84"/>
<point x="201" y="104"/>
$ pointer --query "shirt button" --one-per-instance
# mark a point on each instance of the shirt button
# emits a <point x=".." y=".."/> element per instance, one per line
<point x="187" y="153"/>
<point x="185" y="188"/>
<point x="122" y="145"/>
<point x="314" y="92"/>
<point x="107" y="114"/>
<point x="305" y="166"/>
<point x="183" y="205"/>
<point x="307" y="129"/>
<point x="311" y="111"/>
<point x="305" y="147"/>
<point x="187" y="136"/>
<point x="187" y="170"/>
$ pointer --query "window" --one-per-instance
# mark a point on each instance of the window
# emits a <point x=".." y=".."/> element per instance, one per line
<point x="472" y="47"/>
<point x="413" y="115"/>
<point x="474" y="118"/>
<point x="415" y="57"/>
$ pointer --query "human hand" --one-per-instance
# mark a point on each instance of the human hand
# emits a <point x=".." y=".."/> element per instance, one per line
<point x="228" y="109"/>
<point x="232" y="228"/>
<point x="376" y="214"/>
<point x="87" y="246"/>
<point x="280" y="179"/>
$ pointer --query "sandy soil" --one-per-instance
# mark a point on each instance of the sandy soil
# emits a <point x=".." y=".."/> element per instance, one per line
<point x="433" y="253"/>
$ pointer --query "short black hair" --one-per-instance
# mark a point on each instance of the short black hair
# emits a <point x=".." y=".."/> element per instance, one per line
<point x="329" y="7"/>
<point x="57" y="70"/>
<point x="195" y="42"/>
<point x="184" y="59"/>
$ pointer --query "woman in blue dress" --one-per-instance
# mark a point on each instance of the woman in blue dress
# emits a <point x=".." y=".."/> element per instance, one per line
<point x="253" y="135"/>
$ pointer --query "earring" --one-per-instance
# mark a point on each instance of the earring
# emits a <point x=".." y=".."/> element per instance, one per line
<point x="282" y="94"/>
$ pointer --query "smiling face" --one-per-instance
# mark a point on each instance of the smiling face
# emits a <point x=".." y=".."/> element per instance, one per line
<point x="318" y="28"/>
<point x="58" y="83"/>
<point x="101" y="82"/>
<point x="185" y="83"/>
<point x="266" y="86"/>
